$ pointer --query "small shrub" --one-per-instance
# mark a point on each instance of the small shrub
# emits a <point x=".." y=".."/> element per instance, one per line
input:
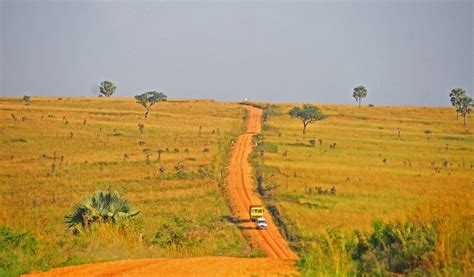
<point x="17" y="251"/>
<point x="141" y="127"/>
<point x="395" y="248"/>
<point x="178" y="232"/>
<point x="182" y="174"/>
<point x="268" y="147"/>
<point x="202" y="171"/>
<point x="26" y="100"/>
<point x="268" y="112"/>
<point x="22" y="140"/>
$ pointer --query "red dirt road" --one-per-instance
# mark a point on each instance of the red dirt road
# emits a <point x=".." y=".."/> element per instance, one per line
<point x="280" y="261"/>
<point x="242" y="193"/>
<point x="201" y="266"/>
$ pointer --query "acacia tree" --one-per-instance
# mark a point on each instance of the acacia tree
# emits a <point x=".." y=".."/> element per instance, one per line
<point x="148" y="99"/>
<point x="359" y="93"/>
<point x="307" y="115"/>
<point x="455" y="96"/>
<point x="107" y="88"/>
<point x="464" y="106"/>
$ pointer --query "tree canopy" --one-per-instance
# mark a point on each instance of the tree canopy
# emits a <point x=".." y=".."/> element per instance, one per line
<point x="307" y="115"/>
<point x="107" y="88"/>
<point x="359" y="93"/>
<point x="464" y="106"/>
<point x="148" y="99"/>
<point x="455" y="96"/>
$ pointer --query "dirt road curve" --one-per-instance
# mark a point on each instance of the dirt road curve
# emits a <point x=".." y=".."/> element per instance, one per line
<point x="241" y="192"/>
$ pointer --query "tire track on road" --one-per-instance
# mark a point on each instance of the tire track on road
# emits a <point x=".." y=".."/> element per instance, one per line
<point x="242" y="194"/>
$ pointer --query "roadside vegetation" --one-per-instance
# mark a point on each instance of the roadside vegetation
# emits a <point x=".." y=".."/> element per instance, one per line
<point x="370" y="190"/>
<point x="56" y="153"/>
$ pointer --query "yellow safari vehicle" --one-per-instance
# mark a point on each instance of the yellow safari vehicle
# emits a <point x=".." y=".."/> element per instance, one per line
<point x="255" y="211"/>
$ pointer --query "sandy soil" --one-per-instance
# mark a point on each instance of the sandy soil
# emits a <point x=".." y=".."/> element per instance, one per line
<point x="201" y="266"/>
<point x="280" y="261"/>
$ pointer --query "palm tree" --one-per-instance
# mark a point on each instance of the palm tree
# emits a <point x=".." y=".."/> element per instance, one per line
<point x="100" y="207"/>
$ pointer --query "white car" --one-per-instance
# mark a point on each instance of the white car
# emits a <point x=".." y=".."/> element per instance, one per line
<point x="261" y="223"/>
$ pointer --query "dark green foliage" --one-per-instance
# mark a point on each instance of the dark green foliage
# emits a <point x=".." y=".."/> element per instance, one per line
<point x="464" y="106"/>
<point x="359" y="93"/>
<point x="455" y="96"/>
<point x="148" y="99"/>
<point x="267" y="147"/>
<point x="268" y="112"/>
<point x="461" y="102"/>
<point x="394" y="248"/>
<point x="107" y="88"/>
<point x="177" y="232"/>
<point x="307" y="115"/>
<point x="16" y="251"/>
<point x="100" y="207"/>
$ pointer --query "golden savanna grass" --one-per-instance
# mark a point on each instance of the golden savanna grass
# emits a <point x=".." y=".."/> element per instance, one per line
<point x="55" y="152"/>
<point x="378" y="175"/>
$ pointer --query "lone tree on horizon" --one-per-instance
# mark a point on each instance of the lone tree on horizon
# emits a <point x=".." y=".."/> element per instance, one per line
<point x="360" y="92"/>
<point x="307" y="114"/>
<point x="107" y="88"/>
<point x="455" y="95"/>
<point x="464" y="106"/>
<point x="149" y="99"/>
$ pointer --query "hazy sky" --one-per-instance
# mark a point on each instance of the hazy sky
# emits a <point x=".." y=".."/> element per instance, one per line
<point x="404" y="52"/>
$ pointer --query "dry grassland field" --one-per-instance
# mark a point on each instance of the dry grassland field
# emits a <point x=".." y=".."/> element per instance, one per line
<point x="425" y="173"/>
<point x="57" y="151"/>
<point x="367" y="190"/>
